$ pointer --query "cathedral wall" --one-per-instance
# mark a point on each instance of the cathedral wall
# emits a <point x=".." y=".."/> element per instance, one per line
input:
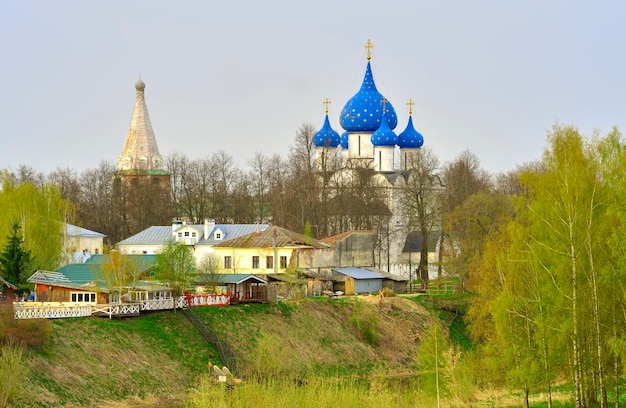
<point x="360" y="146"/>
<point x="384" y="158"/>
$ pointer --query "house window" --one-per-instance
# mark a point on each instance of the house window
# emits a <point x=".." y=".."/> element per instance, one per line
<point x="218" y="235"/>
<point x="83" y="297"/>
<point x="186" y="233"/>
<point x="193" y="234"/>
<point x="228" y="262"/>
<point x="180" y="235"/>
<point x="255" y="262"/>
<point x="269" y="262"/>
<point x="283" y="262"/>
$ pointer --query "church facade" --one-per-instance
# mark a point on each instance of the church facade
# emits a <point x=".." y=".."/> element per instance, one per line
<point x="362" y="171"/>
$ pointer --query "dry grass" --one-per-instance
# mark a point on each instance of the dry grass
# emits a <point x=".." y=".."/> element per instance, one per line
<point x="96" y="362"/>
<point x="317" y="337"/>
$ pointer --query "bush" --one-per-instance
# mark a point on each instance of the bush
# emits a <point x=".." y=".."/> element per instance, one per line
<point x="366" y="323"/>
<point x="27" y="333"/>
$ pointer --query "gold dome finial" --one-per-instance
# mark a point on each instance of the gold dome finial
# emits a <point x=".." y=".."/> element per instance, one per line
<point x="410" y="103"/>
<point x="326" y="103"/>
<point x="384" y="102"/>
<point x="369" y="46"/>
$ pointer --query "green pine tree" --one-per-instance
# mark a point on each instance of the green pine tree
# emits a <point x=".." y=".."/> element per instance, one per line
<point x="15" y="260"/>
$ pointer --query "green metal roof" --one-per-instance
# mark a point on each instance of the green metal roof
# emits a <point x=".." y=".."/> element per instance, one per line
<point x="89" y="274"/>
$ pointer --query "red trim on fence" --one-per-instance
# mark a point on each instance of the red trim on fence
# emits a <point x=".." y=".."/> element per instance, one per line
<point x="212" y="299"/>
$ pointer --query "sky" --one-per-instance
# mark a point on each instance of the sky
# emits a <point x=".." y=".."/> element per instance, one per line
<point x="491" y="77"/>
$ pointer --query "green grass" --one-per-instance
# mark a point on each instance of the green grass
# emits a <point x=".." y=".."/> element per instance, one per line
<point x="350" y="393"/>
<point x="451" y="309"/>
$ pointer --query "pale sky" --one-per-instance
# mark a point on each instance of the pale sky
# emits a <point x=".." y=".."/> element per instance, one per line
<point x="243" y="76"/>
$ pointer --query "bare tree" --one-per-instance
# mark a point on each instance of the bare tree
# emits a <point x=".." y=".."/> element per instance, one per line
<point x="462" y="178"/>
<point x="420" y="201"/>
<point x="259" y="177"/>
<point x="66" y="180"/>
<point x="96" y="207"/>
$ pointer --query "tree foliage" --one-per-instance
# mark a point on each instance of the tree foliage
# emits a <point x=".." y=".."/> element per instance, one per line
<point x="176" y="266"/>
<point x="549" y="296"/>
<point x="120" y="271"/>
<point x="40" y="213"/>
<point x="15" y="260"/>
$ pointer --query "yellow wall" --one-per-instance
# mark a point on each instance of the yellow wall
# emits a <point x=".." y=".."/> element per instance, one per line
<point x="242" y="259"/>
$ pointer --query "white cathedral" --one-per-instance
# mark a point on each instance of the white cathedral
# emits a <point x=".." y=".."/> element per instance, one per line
<point x="370" y="142"/>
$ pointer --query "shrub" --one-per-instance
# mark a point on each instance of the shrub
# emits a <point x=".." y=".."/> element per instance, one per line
<point x="366" y="322"/>
<point x="28" y="333"/>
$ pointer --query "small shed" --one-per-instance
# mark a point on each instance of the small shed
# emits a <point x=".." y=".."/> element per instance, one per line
<point x="353" y="281"/>
<point x="7" y="291"/>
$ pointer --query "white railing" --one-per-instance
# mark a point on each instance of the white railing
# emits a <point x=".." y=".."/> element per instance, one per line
<point x="54" y="310"/>
<point x="117" y="309"/>
<point x="157" y="304"/>
<point x="49" y="310"/>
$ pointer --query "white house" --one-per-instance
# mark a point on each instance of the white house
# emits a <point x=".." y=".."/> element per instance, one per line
<point x="80" y="243"/>
<point x="199" y="237"/>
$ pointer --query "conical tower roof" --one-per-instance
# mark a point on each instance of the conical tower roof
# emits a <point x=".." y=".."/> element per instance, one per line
<point x="140" y="149"/>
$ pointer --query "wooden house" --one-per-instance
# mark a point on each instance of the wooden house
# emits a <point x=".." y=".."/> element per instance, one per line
<point x="7" y="291"/>
<point x="240" y="287"/>
<point x="90" y="282"/>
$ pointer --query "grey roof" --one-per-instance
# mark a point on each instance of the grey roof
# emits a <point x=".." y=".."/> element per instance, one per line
<point x="75" y="231"/>
<point x="358" y="273"/>
<point x="235" y="278"/>
<point x="6" y="283"/>
<point x="160" y="235"/>
<point x="273" y="236"/>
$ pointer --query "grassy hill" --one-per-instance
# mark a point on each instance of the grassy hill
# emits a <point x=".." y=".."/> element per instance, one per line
<point x="156" y="359"/>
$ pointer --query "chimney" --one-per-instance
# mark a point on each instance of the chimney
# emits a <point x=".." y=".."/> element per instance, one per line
<point x="208" y="227"/>
<point x="175" y="225"/>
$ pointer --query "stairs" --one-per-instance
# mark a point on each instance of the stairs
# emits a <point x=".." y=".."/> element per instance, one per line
<point x="222" y="346"/>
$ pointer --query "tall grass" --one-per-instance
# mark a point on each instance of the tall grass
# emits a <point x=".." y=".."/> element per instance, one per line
<point x="13" y="372"/>
<point x="284" y="393"/>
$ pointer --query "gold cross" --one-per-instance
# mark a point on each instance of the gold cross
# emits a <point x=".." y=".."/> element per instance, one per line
<point x="326" y="102"/>
<point x="368" y="46"/>
<point x="410" y="103"/>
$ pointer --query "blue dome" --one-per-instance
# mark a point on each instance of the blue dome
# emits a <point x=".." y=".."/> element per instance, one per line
<point x="363" y="112"/>
<point x="410" y="138"/>
<point x="326" y="136"/>
<point x="384" y="136"/>
<point x="344" y="140"/>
